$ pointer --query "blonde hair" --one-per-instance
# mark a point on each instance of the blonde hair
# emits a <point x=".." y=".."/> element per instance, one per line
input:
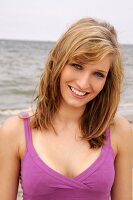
<point x="87" y="40"/>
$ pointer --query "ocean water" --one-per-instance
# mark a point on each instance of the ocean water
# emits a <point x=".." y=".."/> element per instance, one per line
<point x="21" y="64"/>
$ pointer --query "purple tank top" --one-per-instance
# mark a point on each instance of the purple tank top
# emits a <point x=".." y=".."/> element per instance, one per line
<point x="41" y="182"/>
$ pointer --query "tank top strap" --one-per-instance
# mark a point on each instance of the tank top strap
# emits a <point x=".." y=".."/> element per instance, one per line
<point x="27" y="129"/>
<point x="108" y="140"/>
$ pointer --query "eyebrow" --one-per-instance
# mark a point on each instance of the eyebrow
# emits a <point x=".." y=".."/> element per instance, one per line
<point x="101" y="71"/>
<point x="82" y="63"/>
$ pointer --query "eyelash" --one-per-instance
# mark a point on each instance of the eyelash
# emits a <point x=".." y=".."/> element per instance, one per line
<point x="79" y="67"/>
<point x="100" y="75"/>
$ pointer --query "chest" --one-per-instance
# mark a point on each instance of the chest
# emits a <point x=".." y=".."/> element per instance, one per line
<point x="66" y="169"/>
<point x="65" y="154"/>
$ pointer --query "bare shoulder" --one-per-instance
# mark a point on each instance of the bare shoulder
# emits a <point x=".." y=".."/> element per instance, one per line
<point x="10" y="139"/>
<point x="122" y="127"/>
<point x="122" y="134"/>
<point x="10" y="132"/>
<point x="11" y="125"/>
<point x="122" y="137"/>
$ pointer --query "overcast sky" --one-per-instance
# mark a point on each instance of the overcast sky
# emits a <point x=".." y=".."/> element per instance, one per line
<point x="48" y="19"/>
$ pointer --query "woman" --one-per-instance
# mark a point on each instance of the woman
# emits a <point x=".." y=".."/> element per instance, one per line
<point x="72" y="146"/>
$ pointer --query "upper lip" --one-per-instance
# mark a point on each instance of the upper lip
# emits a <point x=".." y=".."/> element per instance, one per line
<point x="78" y="89"/>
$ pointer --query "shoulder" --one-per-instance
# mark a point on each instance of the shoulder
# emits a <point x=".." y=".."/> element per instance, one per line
<point x="11" y="125"/>
<point x="10" y="133"/>
<point x="122" y="126"/>
<point x="122" y="134"/>
<point x="10" y="166"/>
<point x="122" y="139"/>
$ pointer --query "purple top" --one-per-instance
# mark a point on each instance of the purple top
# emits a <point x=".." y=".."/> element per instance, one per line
<point x="41" y="182"/>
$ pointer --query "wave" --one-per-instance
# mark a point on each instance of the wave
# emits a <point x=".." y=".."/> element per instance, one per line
<point x="127" y="106"/>
<point x="13" y="111"/>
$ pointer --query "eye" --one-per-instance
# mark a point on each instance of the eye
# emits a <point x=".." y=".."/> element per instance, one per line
<point x="99" y="74"/>
<point x="77" y="66"/>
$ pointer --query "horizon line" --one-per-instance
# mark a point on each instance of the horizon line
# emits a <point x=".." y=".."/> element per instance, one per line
<point x="47" y="40"/>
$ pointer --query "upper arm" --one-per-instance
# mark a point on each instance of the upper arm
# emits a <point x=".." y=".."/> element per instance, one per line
<point x="122" y="187"/>
<point x="9" y="160"/>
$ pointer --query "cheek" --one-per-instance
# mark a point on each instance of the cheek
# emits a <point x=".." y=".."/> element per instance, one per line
<point x="99" y="86"/>
<point x="65" y="76"/>
<point x="63" y="79"/>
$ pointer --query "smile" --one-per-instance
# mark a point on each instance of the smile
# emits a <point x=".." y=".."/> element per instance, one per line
<point x="77" y="92"/>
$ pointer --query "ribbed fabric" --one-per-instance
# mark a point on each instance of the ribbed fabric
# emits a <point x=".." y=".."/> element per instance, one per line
<point x="41" y="182"/>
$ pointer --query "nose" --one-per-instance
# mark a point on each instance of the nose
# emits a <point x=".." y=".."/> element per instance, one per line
<point x="84" y="81"/>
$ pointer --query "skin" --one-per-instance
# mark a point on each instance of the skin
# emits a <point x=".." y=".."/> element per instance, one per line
<point x="62" y="156"/>
<point x="83" y="78"/>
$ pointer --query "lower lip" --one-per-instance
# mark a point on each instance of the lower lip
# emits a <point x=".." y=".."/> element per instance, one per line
<point x="77" y="96"/>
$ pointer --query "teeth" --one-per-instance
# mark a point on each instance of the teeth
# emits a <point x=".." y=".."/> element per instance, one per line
<point x="77" y="92"/>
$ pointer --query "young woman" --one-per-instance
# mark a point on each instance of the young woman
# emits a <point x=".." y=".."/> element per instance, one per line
<point x="72" y="146"/>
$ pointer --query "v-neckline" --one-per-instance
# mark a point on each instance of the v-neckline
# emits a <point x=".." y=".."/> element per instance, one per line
<point x="44" y="166"/>
<point x="91" y="168"/>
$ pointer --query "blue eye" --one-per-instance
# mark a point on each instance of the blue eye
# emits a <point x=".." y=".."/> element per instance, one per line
<point x="99" y="74"/>
<point x="77" y="66"/>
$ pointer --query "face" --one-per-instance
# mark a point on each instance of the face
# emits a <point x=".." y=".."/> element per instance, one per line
<point x="80" y="83"/>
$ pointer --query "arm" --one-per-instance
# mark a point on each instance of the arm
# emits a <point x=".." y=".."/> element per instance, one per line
<point x="9" y="160"/>
<point x="122" y="187"/>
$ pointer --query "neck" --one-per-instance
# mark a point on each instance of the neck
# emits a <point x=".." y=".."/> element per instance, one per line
<point x="69" y="115"/>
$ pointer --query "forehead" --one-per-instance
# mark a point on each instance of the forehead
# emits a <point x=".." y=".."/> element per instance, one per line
<point x="104" y="62"/>
<point x="90" y="57"/>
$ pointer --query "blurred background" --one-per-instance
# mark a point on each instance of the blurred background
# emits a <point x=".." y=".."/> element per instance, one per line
<point x="30" y="28"/>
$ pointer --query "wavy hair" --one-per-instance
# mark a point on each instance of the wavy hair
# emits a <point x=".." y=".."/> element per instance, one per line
<point x="88" y="40"/>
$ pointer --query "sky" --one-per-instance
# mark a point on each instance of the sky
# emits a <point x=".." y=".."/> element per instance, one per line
<point x="44" y="20"/>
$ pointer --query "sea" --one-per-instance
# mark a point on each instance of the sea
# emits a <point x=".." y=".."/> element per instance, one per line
<point x="21" y="64"/>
